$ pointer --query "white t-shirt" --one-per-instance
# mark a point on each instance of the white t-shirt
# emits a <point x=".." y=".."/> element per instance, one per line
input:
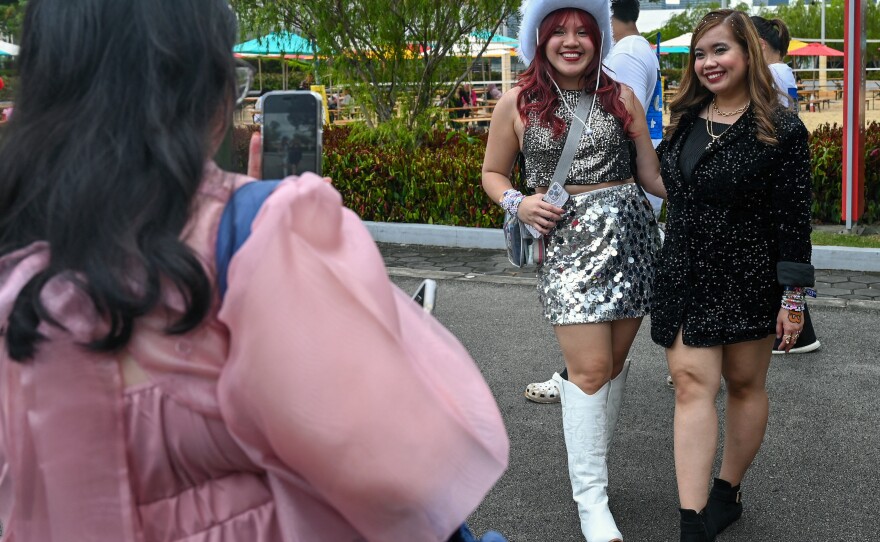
<point x="634" y="63"/>
<point x="785" y="82"/>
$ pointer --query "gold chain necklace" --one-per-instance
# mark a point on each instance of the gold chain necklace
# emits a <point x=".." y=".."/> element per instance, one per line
<point x="732" y="113"/>
<point x="709" y="126"/>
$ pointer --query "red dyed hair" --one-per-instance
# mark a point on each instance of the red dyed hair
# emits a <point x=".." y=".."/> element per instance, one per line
<point x="536" y="84"/>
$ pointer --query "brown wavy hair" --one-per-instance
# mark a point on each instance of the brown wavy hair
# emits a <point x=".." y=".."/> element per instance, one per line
<point x="693" y="94"/>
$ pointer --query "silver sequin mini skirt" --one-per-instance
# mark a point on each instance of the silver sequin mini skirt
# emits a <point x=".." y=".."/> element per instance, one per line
<point x="599" y="264"/>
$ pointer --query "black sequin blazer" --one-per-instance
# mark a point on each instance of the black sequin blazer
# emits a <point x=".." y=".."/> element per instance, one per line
<point x="746" y="209"/>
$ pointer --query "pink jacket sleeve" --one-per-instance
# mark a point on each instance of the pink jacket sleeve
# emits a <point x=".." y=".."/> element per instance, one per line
<point x="362" y="407"/>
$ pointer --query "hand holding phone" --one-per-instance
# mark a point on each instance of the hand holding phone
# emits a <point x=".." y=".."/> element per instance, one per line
<point x="291" y="133"/>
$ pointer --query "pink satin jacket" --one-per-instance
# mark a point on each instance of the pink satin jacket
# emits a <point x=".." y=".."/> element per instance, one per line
<point x="317" y="403"/>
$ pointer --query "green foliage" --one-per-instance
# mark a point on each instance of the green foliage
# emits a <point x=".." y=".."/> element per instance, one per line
<point x="11" y="16"/>
<point x="396" y="132"/>
<point x="826" y="149"/>
<point x="384" y="178"/>
<point x="10" y="83"/>
<point x="438" y="184"/>
<point x="824" y="238"/>
<point x="394" y="56"/>
<point x="804" y="20"/>
<point x="386" y="182"/>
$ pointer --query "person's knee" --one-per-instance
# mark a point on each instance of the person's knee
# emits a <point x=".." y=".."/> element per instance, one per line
<point x="744" y="389"/>
<point x="590" y="377"/>
<point x="692" y="387"/>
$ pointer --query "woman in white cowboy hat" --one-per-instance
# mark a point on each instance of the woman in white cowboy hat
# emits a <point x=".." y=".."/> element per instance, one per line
<point x="596" y="281"/>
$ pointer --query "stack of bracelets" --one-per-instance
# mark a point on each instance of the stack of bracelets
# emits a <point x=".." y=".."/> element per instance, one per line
<point x="794" y="297"/>
<point x="510" y="200"/>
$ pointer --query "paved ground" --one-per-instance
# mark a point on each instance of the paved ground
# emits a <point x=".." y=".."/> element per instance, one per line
<point x="492" y="265"/>
<point x="814" y="479"/>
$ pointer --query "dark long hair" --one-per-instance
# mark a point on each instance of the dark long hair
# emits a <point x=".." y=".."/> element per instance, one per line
<point x="117" y="107"/>
<point x="774" y="32"/>
<point x="759" y="80"/>
<point x="537" y="92"/>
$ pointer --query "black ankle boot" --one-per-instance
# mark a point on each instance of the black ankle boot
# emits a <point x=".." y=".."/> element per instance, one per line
<point x="724" y="507"/>
<point x="693" y="526"/>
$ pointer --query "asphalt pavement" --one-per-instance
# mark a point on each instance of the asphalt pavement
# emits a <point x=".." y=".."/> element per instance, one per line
<point x="813" y="480"/>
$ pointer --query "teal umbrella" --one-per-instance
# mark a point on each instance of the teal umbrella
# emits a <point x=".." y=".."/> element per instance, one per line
<point x="483" y="35"/>
<point x="276" y="44"/>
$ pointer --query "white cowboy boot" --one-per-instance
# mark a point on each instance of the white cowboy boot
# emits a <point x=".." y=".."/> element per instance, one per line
<point x="584" y="421"/>
<point x="616" y="388"/>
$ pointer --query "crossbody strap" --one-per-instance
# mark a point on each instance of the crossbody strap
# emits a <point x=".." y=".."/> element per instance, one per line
<point x="575" y="131"/>
<point x="235" y="224"/>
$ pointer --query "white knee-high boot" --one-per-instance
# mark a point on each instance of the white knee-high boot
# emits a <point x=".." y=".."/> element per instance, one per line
<point x="584" y="422"/>
<point x="616" y="388"/>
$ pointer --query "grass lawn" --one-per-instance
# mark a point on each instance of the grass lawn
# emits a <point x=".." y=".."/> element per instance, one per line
<point x="843" y="240"/>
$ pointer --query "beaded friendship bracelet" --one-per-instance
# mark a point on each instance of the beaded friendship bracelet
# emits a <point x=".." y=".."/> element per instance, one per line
<point x="510" y="200"/>
<point x="794" y="297"/>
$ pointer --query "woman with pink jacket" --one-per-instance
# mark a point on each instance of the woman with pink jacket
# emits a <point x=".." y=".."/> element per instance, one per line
<point x="312" y="402"/>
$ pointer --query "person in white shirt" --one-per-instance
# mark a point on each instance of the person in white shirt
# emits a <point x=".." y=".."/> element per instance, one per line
<point x="634" y="63"/>
<point x="774" y="43"/>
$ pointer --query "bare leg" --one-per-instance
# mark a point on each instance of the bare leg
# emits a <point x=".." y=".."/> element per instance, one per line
<point x="697" y="375"/>
<point x="591" y="352"/>
<point x="595" y="353"/>
<point x="745" y="369"/>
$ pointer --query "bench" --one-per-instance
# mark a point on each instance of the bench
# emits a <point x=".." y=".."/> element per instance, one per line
<point x="817" y="98"/>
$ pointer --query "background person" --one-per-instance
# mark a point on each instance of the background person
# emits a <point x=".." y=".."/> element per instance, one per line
<point x="605" y="221"/>
<point x="774" y="44"/>
<point x="634" y="63"/>
<point x="137" y="405"/>
<point x="493" y="92"/>
<point x="735" y="260"/>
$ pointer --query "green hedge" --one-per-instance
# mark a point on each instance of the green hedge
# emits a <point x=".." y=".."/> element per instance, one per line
<point x="826" y="147"/>
<point x="439" y="183"/>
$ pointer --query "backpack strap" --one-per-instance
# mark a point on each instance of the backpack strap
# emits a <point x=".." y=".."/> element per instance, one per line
<point x="235" y="224"/>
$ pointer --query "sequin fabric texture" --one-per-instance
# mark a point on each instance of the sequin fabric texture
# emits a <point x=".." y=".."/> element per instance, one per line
<point x="743" y="209"/>
<point x="599" y="158"/>
<point x="599" y="264"/>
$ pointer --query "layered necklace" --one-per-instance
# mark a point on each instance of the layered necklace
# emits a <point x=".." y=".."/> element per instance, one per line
<point x="714" y="109"/>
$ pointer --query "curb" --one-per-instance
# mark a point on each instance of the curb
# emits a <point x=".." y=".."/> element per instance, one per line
<point x="821" y="302"/>
<point x="824" y="257"/>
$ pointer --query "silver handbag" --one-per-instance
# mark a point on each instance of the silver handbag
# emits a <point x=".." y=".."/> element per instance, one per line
<point x="522" y="249"/>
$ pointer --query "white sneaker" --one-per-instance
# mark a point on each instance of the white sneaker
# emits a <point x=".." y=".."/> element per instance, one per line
<point x="542" y="392"/>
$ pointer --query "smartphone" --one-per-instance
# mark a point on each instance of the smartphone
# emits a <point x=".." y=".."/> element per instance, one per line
<point x="426" y="295"/>
<point x="292" y="131"/>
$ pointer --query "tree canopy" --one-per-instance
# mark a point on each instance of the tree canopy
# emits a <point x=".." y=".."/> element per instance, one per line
<point x="11" y="15"/>
<point x="397" y="55"/>
<point x="802" y="17"/>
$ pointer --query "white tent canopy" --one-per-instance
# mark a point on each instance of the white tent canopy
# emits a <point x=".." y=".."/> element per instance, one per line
<point x="7" y="48"/>
<point x="681" y="41"/>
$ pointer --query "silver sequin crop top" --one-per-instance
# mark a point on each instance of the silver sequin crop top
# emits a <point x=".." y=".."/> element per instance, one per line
<point x="601" y="158"/>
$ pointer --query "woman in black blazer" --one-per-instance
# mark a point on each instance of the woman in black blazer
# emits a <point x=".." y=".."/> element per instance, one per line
<point x="736" y="260"/>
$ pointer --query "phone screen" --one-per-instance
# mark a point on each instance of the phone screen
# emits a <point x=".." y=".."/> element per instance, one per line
<point x="292" y="129"/>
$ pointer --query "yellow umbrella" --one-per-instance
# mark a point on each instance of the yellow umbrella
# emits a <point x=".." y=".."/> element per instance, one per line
<point x="794" y="45"/>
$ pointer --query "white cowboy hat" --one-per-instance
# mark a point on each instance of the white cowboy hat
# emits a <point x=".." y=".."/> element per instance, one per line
<point x="533" y="12"/>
